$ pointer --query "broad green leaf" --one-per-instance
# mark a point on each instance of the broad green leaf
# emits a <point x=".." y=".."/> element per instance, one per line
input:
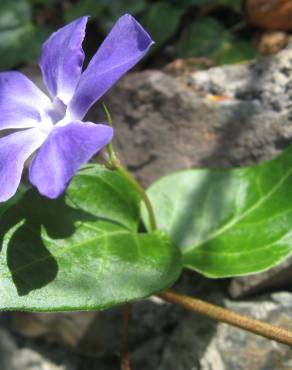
<point x="164" y="12"/>
<point x="106" y="194"/>
<point x="228" y="222"/>
<point x="81" y="251"/>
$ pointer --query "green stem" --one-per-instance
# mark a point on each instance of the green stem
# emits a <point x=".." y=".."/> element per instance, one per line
<point x="230" y="317"/>
<point x="109" y="147"/>
<point x="114" y="164"/>
<point x="141" y="191"/>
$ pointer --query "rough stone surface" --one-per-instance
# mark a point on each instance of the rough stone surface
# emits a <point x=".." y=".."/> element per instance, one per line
<point x="98" y="333"/>
<point x="200" y="344"/>
<point x="14" y="358"/>
<point x="84" y="332"/>
<point x="164" y="337"/>
<point x="166" y="123"/>
<point x="278" y="277"/>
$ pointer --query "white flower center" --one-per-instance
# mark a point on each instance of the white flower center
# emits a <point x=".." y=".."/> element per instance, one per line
<point x="52" y="116"/>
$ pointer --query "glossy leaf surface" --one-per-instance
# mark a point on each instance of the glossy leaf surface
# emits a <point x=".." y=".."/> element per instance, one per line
<point x="105" y="194"/>
<point x="81" y="251"/>
<point x="229" y="222"/>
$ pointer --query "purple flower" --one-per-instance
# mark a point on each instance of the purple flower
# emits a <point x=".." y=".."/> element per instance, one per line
<point x="54" y="126"/>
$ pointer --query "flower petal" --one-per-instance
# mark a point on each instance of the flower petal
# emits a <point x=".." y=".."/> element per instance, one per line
<point x="14" y="151"/>
<point x="21" y="102"/>
<point x="66" y="149"/>
<point x="125" y="45"/>
<point x="62" y="59"/>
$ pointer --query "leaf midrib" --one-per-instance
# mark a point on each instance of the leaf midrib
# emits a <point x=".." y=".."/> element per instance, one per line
<point x="65" y="249"/>
<point x="227" y="226"/>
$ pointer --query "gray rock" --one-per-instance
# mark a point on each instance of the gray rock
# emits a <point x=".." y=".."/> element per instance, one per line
<point x="14" y="358"/>
<point x="166" y="123"/>
<point x="163" y="337"/>
<point x="87" y="333"/>
<point x="66" y="328"/>
<point x="200" y="344"/>
<point x="279" y="276"/>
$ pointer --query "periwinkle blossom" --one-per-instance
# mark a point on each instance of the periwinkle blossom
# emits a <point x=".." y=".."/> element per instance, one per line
<point x="53" y="127"/>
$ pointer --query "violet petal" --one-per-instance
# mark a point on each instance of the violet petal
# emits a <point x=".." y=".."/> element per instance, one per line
<point x="62" y="59"/>
<point x="14" y="151"/>
<point x="66" y="149"/>
<point x="125" y="45"/>
<point x="21" y="102"/>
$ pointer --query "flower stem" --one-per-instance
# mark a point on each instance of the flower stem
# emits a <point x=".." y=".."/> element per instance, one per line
<point x="114" y="164"/>
<point x="141" y="191"/>
<point x="109" y="147"/>
<point x="230" y="317"/>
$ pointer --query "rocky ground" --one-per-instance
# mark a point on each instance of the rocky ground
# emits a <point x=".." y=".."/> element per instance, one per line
<point x="222" y="117"/>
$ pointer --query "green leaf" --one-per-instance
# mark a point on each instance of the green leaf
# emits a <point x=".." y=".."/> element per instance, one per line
<point x="17" y="32"/>
<point x="106" y="194"/>
<point x="202" y="38"/>
<point x="208" y="37"/>
<point x="14" y="13"/>
<point x="228" y="222"/>
<point x="4" y="206"/>
<point x="236" y="51"/>
<point x="161" y="12"/>
<point x="85" y="7"/>
<point x="81" y="251"/>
